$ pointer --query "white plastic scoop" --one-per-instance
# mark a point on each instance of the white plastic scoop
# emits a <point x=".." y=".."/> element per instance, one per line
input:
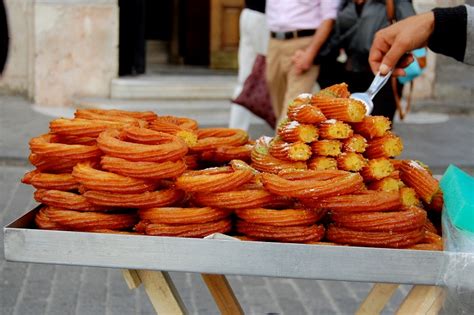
<point x="367" y="96"/>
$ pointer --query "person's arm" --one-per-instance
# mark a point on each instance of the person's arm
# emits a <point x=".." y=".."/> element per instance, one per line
<point x="448" y="31"/>
<point x="469" y="54"/>
<point x="303" y="58"/>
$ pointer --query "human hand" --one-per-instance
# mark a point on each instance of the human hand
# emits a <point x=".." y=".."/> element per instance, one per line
<point x="392" y="43"/>
<point x="302" y="60"/>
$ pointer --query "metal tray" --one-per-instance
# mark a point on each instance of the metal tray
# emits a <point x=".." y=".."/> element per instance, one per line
<point x="223" y="256"/>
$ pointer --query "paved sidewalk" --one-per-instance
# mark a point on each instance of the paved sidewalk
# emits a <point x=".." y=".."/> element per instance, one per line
<point x="49" y="289"/>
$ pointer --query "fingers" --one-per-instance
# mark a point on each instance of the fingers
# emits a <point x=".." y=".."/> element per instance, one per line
<point x="392" y="57"/>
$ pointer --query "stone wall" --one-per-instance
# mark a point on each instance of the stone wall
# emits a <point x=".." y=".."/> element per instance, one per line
<point x="61" y="49"/>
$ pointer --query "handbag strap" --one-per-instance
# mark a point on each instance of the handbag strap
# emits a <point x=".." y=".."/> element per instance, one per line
<point x="390" y="8"/>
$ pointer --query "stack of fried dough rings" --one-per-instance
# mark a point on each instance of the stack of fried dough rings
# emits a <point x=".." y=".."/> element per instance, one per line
<point x="329" y="176"/>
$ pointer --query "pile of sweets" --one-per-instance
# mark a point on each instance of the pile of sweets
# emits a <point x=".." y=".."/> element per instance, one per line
<point x="328" y="177"/>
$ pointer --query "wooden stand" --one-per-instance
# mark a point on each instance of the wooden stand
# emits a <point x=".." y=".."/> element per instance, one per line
<point x="165" y="299"/>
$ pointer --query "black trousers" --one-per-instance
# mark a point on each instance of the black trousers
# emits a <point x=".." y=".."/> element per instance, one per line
<point x="131" y="37"/>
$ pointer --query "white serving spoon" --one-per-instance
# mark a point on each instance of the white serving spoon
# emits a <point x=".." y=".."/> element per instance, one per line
<point x="367" y="96"/>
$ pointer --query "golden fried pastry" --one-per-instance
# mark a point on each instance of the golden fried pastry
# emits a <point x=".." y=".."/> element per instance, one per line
<point x="285" y="217"/>
<point x="416" y="176"/>
<point x="387" y="146"/>
<point x="305" y="113"/>
<point x="53" y="165"/>
<point x="226" y="154"/>
<point x="437" y="202"/>
<point x="289" y="151"/>
<point x="111" y="114"/>
<point x="386" y="184"/>
<point x="361" y="202"/>
<point x="143" y="170"/>
<point x="47" y="146"/>
<point x="184" y="128"/>
<point x="50" y="181"/>
<point x="312" y="188"/>
<point x="351" y="161"/>
<point x="167" y="148"/>
<point x="343" y="109"/>
<point x="409" y="197"/>
<point x="42" y="221"/>
<point x="377" y="169"/>
<point x="293" y="131"/>
<point x="212" y="138"/>
<point x="412" y="218"/>
<point x="321" y="163"/>
<point x="263" y="161"/>
<point x="334" y="129"/>
<point x="66" y="200"/>
<point x="79" y="127"/>
<point x="431" y="241"/>
<point x="288" y="234"/>
<point x="213" y="179"/>
<point x="311" y="174"/>
<point x="189" y="230"/>
<point x="84" y="221"/>
<point x="175" y="215"/>
<point x="356" y="144"/>
<point x="340" y="90"/>
<point x="372" y="126"/>
<point x="159" y="198"/>
<point x="240" y="199"/>
<point x="326" y="147"/>
<point x="93" y="179"/>
<point x="374" y="239"/>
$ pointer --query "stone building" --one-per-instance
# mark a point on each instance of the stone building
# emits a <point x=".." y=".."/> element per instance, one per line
<point x="64" y="50"/>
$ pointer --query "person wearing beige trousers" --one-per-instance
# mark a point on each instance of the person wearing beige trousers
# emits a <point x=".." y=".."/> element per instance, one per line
<point x="298" y="29"/>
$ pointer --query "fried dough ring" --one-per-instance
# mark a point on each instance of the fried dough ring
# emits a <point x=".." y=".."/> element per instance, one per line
<point x="159" y="198"/>
<point x="43" y="222"/>
<point x="115" y="114"/>
<point x="66" y="200"/>
<point x="226" y="154"/>
<point x="46" y="145"/>
<point x="416" y="176"/>
<point x="189" y="230"/>
<point x="413" y="218"/>
<point x="113" y="143"/>
<point x="238" y="199"/>
<point x="173" y="215"/>
<point x="374" y="239"/>
<point x="289" y="234"/>
<point x="264" y="162"/>
<point x="286" y="217"/>
<point x="84" y="221"/>
<point x="79" y="127"/>
<point x="144" y="170"/>
<point x="312" y="188"/>
<point x="50" y="181"/>
<point x="53" y="165"/>
<point x="295" y="151"/>
<point x="171" y="124"/>
<point x="361" y="202"/>
<point x="93" y="179"/>
<point x="212" y="138"/>
<point x="210" y="180"/>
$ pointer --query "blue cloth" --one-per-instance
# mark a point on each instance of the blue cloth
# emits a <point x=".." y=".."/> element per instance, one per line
<point x="413" y="70"/>
<point x="458" y="193"/>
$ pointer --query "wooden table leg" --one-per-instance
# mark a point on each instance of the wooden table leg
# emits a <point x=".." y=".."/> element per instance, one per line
<point x="131" y="278"/>
<point x="222" y="293"/>
<point x="377" y="298"/>
<point x="422" y="299"/>
<point x="160" y="290"/>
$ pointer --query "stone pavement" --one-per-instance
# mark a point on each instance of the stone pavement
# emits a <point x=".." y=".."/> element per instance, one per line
<point x="49" y="289"/>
